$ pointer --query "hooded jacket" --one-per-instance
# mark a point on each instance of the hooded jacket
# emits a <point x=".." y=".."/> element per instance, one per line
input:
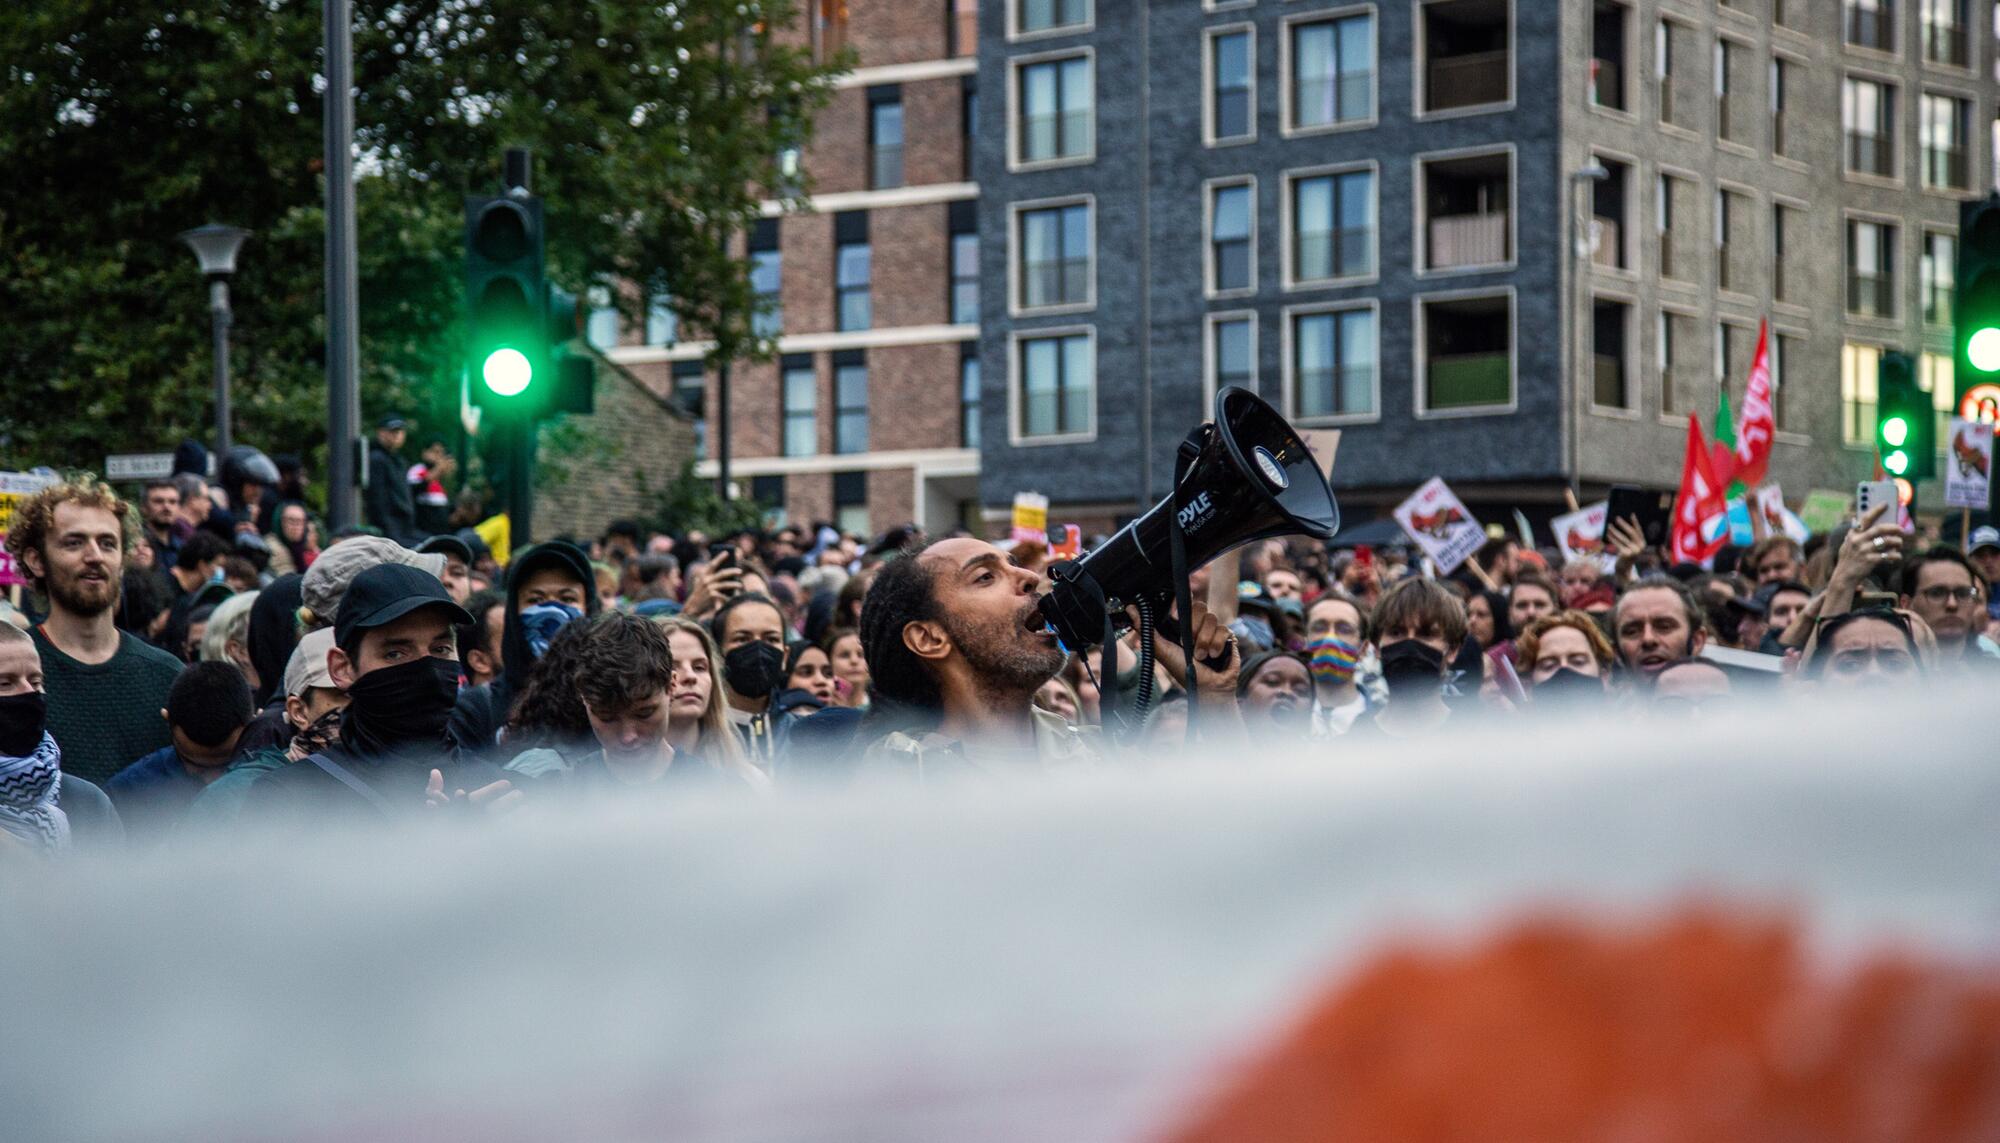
<point x="481" y="712"/>
<point x="274" y="632"/>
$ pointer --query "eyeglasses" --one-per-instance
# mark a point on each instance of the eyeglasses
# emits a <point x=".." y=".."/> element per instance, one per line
<point x="1938" y="593"/>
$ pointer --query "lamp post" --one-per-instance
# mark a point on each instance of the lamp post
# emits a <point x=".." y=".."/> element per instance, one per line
<point x="215" y="247"/>
<point x="1578" y="179"/>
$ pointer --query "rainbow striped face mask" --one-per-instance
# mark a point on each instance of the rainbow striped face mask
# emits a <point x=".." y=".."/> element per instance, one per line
<point x="1333" y="659"/>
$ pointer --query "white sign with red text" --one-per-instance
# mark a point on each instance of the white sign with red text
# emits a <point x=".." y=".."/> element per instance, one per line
<point x="1438" y="521"/>
<point x="1580" y="535"/>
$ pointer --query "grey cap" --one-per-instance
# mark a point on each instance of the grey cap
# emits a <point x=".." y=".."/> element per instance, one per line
<point x="327" y="579"/>
<point x="1985" y="537"/>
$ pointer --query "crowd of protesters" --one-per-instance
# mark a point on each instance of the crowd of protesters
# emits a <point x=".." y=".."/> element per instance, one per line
<point x="201" y="657"/>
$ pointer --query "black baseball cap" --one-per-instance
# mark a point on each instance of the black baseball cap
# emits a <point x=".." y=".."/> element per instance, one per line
<point x="449" y="545"/>
<point x="387" y="592"/>
<point x="392" y="421"/>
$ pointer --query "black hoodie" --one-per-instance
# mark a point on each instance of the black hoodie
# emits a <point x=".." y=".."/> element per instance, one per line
<point x="481" y="712"/>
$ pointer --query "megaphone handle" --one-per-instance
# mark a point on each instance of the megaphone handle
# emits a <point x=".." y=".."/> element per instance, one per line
<point x="1170" y="628"/>
<point x="1184" y="458"/>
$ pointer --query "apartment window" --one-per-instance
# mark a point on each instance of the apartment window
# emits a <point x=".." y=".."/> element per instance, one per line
<point x="1945" y="125"/>
<point x="1058" y="385"/>
<point x="829" y="29"/>
<point x="1858" y="367"/>
<point x="1332" y="65"/>
<point x="768" y="492"/>
<point x="1785" y="13"/>
<point x="968" y="395"/>
<point x="885" y="136"/>
<point x="1608" y="73"/>
<point x="1232" y="353"/>
<point x="1055" y="256"/>
<point x="1934" y="376"/>
<point x="1465" y="54"/>
<point x="1055" y="102"/>
<point x="1608" y="199"/>
<point x="1783" y="347"/>
<point x="1333" y="226"/>
<point x="600" y="323"/>
<point x="1468" y="352"/>
<point x="1667" y="38"/>
<point x="690" y="389"/>
<point x="766" y="279"/>
<point x="798" y="396"/>
<point x="1871" y="24"/>
<point x="850" y="402"/>
<point x="1232" y="234"/>
<point x="850" y="503"/>
<point x="1333" y="363"/>
<point x="853" y="271"/>
<point x="1733" y="347"/>
<point x="1944" y="24"/>
<point x="963" y="218"/>
<point x="1231" y="80"/>
<point x="1467" y="208"/>
<point x="1031" y="16"/>
<point x="1734" y="257"/>
<point x="1733" y="108"/>
<point x="1670" y="211"/>
<point x="1938" y="271"/>
<point x="1610" y="325"/>
<point x="1674" y="335"/>
<point x="1871" y="266"/>
<point x="962" y="26"/>
<point x="1868" y="116"/>
<point x="662" y="326"/>
<point x="1784" y="224"/>
<point x="1782" y="128"/>
<point x="968" y="124"/>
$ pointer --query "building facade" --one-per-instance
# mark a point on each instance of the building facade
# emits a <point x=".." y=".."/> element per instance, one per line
<point x="1514" y="244"/>
<point x="861" y="418"/>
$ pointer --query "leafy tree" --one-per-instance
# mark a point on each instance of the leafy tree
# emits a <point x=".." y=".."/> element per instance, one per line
<point x="123" y="122"/>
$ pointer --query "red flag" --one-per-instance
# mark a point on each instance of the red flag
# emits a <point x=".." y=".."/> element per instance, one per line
<point x="1701" y="516"/>
<point x="1756" y="424"/>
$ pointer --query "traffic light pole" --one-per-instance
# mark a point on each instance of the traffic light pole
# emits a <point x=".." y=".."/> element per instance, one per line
<point x="343" y="397"/>
<point x="519" y="440"/>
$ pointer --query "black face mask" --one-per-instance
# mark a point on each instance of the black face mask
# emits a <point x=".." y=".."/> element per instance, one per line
<point x="407" y="704"/>
<point x="1412" y="668"/>
<point x="23" y="717"/>
<point x="754" y="670"/>
<point x="1568" y="685"/>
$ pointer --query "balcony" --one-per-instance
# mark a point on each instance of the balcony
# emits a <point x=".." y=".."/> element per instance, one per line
<point x="1466" y="81"/>
<point x="1607" y="84"/>
<point x="1607" y="243"/>
<point x="1466" y="53"/>
<point x="1469" y="379"/>
<point x="1463" y="240"/>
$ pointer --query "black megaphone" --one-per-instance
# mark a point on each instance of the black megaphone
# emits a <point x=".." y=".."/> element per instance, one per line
<point x="1246" y="476"/>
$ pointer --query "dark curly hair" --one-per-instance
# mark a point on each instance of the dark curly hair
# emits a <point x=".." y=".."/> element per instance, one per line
<point x="623" y="660"/>
<point x="904" y="592"/>
<point x="548" y="711"/>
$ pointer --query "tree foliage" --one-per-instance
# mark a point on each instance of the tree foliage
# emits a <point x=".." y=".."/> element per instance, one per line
<point x="124" y="122"/>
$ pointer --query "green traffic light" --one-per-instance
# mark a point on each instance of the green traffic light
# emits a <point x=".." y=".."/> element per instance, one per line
<point x="1895" y="431"/>
<point x="507" y="372"/>
<point x="1897" y="463"/>
<point x="1982" y="349"/>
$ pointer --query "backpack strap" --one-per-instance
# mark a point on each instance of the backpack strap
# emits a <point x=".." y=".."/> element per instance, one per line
<point x="349" y="779"/>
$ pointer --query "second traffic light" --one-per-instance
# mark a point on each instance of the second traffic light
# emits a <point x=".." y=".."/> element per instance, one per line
<point x="506" y="300"/>
<point x="1905" y="420"/>
<point x="1975" y="302"/>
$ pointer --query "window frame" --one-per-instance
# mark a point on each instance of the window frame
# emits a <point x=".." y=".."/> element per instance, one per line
<point x="1208" y="37"/>
<point x="1743" y="52"/>
<point x="1288" y="225"/>
<point x="1209" y="286"/>
<point x="787" y="414"/>
<point x="1634" y="174"/>
<point x="1417" y="112"/>
<point x="1018" y="64"/>
<point x="1752" y="199"/>
<point x="1016" y="404"/>
<point x="1798" y="211"/>
<point x="1966" y="107"/>
<point x="1015" y="210"/>
<point x="1629" y="113"/>
<point x="1897" y="279"/>
<point x="1286" y="127"/>
<point x="1865" y="440"/>
<point x="1015" y="35"/>
<point x="1925" y="233"/>
<point x="1419" y="353"/>
<point x="1211" y="381"/>
<point x="841" y="410"/>
<point x="1288" y="371"/>
<point x="1634" y="393"/>
<point x="1664" y="315"/>
<point x="1419" y="189"/>
<point x="877" y="98"/>
<point x="1893" y="86"/>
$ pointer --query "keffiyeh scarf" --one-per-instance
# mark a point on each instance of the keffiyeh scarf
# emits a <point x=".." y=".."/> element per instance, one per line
<point x="28" y="790"/>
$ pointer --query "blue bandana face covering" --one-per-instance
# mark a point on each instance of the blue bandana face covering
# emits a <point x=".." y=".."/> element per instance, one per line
<point x="540" y="623"/>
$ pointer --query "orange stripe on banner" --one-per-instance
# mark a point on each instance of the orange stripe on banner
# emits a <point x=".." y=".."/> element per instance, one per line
<point x="1707" y="1027"/>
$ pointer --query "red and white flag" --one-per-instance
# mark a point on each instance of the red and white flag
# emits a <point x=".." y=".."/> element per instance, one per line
<point x="1701" y="515"/>
<point x="1756" y="424"/>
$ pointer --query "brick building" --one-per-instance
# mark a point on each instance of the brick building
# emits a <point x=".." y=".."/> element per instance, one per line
<point x="634" y="443"/>
<point x="862" y="415"/>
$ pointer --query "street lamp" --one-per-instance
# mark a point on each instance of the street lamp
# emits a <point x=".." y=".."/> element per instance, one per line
<point x="1579" y="178"/>
<point x="215" y="247"/>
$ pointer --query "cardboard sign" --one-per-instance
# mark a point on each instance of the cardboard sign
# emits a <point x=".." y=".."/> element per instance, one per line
<point x="1066" y="542"/>
<point x="1031" y="517"/>
<point x="1324" y="444"/>
<point x="1580" y="535"/>
<point x="1824" y="510"/>
<point x="1968" y="468"/>
<point x="1438" y="521"/>
<point x="15" y="487"/>
<point x="1768" y="503"/>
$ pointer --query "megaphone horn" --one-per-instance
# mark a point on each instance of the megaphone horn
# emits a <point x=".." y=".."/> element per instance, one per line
<point x="1252" y="478"/>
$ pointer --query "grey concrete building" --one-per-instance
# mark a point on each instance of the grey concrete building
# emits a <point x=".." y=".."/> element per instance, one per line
<point x="1511" y="242"/>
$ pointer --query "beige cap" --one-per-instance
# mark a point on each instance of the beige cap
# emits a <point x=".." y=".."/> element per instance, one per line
<point x="307" y="667"/>
<point x="327" y="579"/>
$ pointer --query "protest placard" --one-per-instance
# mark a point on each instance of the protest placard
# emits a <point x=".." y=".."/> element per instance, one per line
<point x="1438" y="521"/>
<point x="1324" y="444"/>
<point x="1768" y="502"/>
<point x="1968" y="465"/>
<point x="1580" y="534"/>
<point x="1031" y="517"/>
<point x="1824" y="510"/>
